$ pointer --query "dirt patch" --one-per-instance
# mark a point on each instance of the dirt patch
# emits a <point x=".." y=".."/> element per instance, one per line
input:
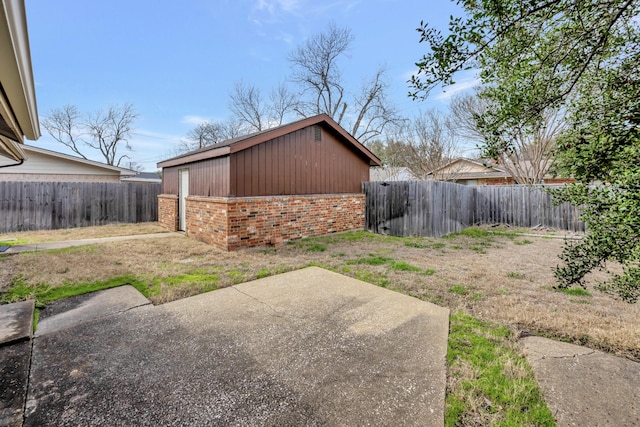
<point x="505" y="278"/>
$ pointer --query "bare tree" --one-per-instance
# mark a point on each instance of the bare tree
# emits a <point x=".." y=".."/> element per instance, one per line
<point x="531" y="152"/>
<point x="254" y="112"/>
<point x="105" y="131"/>
<point x="316" y="69"/>
<point x="64" y="125"/>
<point x="210" y="133"/>
<point x="247" y="104"/>
<point x="204" y="134"/>
<point x="283" y="103"/>
<point x="424" y="145"/>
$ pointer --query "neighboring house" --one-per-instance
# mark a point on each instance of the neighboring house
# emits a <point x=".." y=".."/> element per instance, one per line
<point x="479" y="172"/>
<point x="18" y="112"/>
<point x="391" y="173"/>
<point x="301" y="179"/>
<point x="144" y="177"/>
<point x="49" y="166"/>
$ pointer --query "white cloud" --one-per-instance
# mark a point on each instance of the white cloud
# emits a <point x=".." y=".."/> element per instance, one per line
<point x="194" y="120"/>
<point x="449" y="92"/>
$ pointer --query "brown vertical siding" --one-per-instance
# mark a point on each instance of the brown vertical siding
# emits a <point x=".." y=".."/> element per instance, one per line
<point x="297" y="164"/>
<point x="170" y="180"/>
<point x="207" y="178"/>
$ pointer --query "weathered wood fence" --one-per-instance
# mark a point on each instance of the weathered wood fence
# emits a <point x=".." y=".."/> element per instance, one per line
<point x="54" y="205"/>
<point x="433" y="208"/>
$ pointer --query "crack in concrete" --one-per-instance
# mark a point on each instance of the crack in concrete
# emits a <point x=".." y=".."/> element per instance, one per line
<point x="573" y="356"/>
<point x="280" y="314"/>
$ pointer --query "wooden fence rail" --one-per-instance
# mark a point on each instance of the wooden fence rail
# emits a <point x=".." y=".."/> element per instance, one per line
<point x="433" y="208"/>
<point x="54" y="205"/>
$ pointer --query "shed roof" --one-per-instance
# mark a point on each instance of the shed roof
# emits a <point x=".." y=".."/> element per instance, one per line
<point x="247" y="141"/>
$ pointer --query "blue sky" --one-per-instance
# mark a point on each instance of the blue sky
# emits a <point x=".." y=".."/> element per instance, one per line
<point x="176" y="62"/>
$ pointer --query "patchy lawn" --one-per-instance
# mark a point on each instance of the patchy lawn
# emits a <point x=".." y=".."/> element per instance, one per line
<point x="496" y="275"/>
<point x="497" y="282"/>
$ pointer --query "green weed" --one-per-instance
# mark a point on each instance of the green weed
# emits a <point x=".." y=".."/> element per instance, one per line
<point x="514" y="275"/>
<point x="372" y="259"/>
<point x="19" y="290"/>
<point x="373" y="278"/>
<point x="522" y="242"/>
<point x="575" y="292"/>
<point x="459" y="289"/>
<point x="403" y="266"/>
<point x="492" y="381"/>
<point x="236" y="276"/>
<point x="316" y="247"/>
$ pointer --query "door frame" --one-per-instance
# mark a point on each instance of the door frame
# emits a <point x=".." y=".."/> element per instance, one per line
<point x="183" y="192"/>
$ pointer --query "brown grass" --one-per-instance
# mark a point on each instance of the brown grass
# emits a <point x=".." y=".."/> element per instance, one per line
<point x="503" y="279"/>
<point x="110" y="230"/>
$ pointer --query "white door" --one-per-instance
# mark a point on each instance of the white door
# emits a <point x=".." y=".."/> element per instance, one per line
<point x="183" y="192"/>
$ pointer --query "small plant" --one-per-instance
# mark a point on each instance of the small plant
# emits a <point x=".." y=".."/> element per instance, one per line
<point x="415" y="244"/>
<point x="428" y="272"/>
<point x="316" y="247"/>
<point x="236" y="276"/>
<point x="263" y="272"/>
<point x="372" y="259"/>
<point x="478" y="249"/>
<point x="514" y="275"/>
<point x="575" y="292"/>
<point x="339" y="255"/>
<point x="459" y="289"/>
<point x="373" y="278"/>
<point x="403" y="266"/>
<point x="522" y="242"/>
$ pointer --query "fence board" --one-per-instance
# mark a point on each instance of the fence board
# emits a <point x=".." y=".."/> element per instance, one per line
<point x="433" y="209"/>
<point x="53" y="205"/>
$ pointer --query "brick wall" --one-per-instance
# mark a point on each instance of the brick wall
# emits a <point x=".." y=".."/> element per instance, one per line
<point x="233" y="223"/>
<point x="168" y="211"/>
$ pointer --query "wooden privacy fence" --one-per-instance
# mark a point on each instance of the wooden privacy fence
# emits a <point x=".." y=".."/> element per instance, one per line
<point x="433" y="208"/>
<point x="54" y="205"/>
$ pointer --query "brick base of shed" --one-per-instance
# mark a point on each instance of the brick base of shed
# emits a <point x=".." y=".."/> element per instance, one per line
<point x="239" y="222"/>
<point x="168" y="211"/>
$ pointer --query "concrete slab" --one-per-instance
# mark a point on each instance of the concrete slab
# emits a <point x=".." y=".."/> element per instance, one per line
<point x="16" y="321"/>
<point x="308" y="347"/>
<point x="45" y="246"/>
<point x="70" y="312"/>
<point x="585" y="387"/>
<point x="14" y="374"/>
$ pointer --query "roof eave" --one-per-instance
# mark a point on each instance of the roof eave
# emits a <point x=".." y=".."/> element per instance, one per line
<point x="16" y="72"/>
<point x="250" y="141"/>
<point x="11" y="149"/>
<point x="204" y="155"/>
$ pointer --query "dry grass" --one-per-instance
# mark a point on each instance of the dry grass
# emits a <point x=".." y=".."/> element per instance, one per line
<point x="110" y="230"/>
<point x="502" y="279"/>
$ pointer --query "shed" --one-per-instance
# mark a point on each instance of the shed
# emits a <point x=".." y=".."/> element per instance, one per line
<point x="292" y="181"/>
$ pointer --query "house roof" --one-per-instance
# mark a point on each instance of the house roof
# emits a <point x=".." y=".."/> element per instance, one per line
<point x="66" y="161"/>
<point x="247" y="141"/>
<point x="463" y="168"/>
<point x="143" y="177"/>
<point x="18" y="112"/>
<point x="471" y="169"/>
